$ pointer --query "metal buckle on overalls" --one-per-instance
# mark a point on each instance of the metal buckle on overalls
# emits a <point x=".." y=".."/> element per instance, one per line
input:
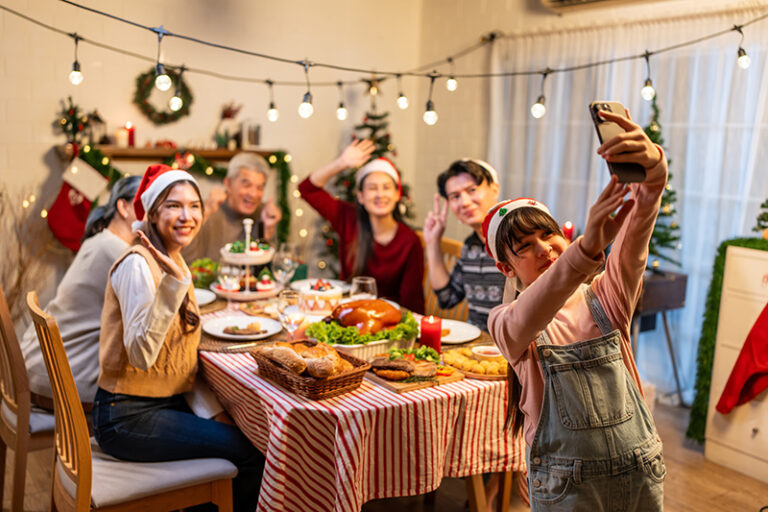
<point x="577" y="471"/>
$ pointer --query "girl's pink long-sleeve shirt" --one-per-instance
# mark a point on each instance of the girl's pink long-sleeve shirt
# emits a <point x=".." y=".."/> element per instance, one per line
<point x="555" y="301"/>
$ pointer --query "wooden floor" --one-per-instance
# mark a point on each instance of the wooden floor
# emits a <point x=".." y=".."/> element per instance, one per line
<point x="693" y="483"/>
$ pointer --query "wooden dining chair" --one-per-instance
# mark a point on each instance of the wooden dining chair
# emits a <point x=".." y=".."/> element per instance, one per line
<point x="22" y="428"/>
<point x="451" y="250"/>
<point x="85" y="478"/>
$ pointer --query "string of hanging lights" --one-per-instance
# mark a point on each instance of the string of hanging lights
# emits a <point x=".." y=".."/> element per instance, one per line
<point x="538" y="109"/>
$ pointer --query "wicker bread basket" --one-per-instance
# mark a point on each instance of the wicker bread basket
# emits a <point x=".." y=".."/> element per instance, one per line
<point x="311" y="387"/>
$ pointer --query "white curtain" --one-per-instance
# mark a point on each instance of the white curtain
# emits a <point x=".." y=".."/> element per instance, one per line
<point x="713" y="121"/>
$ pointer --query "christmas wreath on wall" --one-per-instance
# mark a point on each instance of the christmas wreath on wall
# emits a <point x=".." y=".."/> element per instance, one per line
<point x="145" y="82"/>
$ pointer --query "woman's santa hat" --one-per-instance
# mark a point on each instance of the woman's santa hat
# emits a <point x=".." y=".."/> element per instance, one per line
<point x="497" y="213"/>
<point x="380" y="164"/>
<point x="157" y="178"/>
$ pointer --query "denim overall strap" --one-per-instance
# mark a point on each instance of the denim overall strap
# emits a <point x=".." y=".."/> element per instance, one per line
<point x="595" y="444"/>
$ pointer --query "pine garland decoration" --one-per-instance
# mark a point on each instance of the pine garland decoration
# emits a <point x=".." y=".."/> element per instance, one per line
<point x="666" y="232"/>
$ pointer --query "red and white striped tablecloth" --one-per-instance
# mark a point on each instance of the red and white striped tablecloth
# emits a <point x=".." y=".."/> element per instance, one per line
<point x="336" y="454"/>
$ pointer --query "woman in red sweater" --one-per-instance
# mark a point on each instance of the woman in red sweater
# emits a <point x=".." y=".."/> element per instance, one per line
<point x="373" y="240"/>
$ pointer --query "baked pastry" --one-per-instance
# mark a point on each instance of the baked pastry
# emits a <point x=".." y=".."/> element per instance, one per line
<point x="367" y="315"/>
<point x="285" y="357"/>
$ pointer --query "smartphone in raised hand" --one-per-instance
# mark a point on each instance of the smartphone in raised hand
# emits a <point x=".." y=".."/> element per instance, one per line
<point x="626" y="171"/>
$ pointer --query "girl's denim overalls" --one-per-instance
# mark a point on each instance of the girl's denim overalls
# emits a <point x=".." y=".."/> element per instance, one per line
<point x="596" y="446"/>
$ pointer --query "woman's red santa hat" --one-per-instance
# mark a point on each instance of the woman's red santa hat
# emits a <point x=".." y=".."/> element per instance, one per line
<point x="497" y="213"/>
<point x="157" y="178"/>
<point x="380" y="164"/>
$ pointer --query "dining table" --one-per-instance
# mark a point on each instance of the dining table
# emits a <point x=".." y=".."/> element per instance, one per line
<point x="336" y="454"/>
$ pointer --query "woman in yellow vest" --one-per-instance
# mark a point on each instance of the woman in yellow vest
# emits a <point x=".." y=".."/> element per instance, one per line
<point x="150" y="330"/>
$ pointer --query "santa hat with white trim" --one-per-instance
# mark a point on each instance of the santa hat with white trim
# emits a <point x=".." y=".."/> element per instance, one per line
<point x="485" y="165"/>
<point x="380" y="164"/>
<point x="156" y="179"/>
<point x="497" y="213"/>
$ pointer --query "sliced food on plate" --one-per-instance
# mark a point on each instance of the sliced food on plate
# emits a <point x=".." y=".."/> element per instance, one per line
<point x="252" y="328"/>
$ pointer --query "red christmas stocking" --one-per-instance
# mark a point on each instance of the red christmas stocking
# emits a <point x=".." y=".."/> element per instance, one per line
<point x="749" y="376"/>
<point x="66" y="217"/>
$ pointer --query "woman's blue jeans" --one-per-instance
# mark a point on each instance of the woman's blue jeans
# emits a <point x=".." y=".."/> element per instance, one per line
<point x="143" y="429"/>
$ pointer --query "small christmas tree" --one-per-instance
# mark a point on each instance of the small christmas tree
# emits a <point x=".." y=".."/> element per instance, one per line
<point x="762" y="218"/>
<point x="72" y="121"/>
<point x="666" y="232"/>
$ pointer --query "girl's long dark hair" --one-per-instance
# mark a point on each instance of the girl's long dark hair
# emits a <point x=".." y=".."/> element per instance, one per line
<point x="512" y="229"/>
<point x="101" y="216"/>
<point x="364" y="244"/>
<point x="190" y="320"/>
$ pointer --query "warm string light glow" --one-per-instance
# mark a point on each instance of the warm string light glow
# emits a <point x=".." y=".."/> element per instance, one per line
<point x="305" y="108"/>
<point x="175" y="103"/>
<point x="162" y="80"/>
<point x="272" y="112"/>
<point x="430" y="116"/>
<point x="451" y="83"/>
<point x="538" y="109"/>
<point x="76" y="76"/>
<point x="742" y="58"/>
<point x="648" y="92"/>
<point x="341" y="111"/>
<point x="402" y="101"/>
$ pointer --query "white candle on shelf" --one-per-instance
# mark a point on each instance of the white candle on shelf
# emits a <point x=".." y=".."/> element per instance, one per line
<point x="121" y="138"/>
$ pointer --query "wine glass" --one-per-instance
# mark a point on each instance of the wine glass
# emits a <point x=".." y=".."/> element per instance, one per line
<point x="229" y="280"/>
<point x="289" y="311"/>
<point x="285" y="263"/>
<point x="363" y="287"/>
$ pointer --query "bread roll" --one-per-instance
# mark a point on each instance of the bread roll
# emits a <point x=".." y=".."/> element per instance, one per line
<point x="285" y="357"/>
<point x="321" y="367"/>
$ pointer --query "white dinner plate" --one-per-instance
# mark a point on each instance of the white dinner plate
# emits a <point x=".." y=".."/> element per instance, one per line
<point x="304" y="284"/>
<point x="215" y="327"/>
<point x="204" y="297"/>
<point x="460" y="332"/>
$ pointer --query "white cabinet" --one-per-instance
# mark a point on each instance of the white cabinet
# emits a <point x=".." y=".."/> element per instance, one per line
<point x="739" y="439"/>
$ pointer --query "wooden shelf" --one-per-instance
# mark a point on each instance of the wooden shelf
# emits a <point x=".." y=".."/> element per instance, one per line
<point x="118" y="153"/>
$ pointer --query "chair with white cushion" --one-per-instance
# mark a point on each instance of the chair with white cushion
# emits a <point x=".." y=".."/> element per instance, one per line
<point x="85" y="478"/>
<point x="22" y="428"/>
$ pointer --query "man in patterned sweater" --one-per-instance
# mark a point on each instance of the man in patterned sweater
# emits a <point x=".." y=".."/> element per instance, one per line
<point x="470" y="188"/>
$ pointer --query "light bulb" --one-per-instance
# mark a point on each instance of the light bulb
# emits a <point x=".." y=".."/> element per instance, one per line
<point x="430" y="116"/>
<point x="451" y="84"/>
<point x="306" y="109"/>
<point x="76" y="77"/>
<point x="341" y="112"/>
<point x="272" y="113"/>
<point x="402" y="102"/>
<point x="163" y="82"/>
<point x="648" y="92"/>
<point x="538" y="109"/>
<point x="373" y="90"/>
<point x="743" y="61"/>
<point x="175" y="103"/>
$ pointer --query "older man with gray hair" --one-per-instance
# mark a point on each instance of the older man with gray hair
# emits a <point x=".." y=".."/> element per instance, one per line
<point x="226" y="208"/>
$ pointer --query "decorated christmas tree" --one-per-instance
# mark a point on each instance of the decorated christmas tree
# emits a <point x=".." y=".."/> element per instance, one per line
<point x="762" y="218"/>
<point x="665" y="240"/>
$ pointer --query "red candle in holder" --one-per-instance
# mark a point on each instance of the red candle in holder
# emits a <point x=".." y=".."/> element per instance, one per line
<point x="431" y="328"/>
<point x="131" y="133"/>
<point x="568" y="230"/>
